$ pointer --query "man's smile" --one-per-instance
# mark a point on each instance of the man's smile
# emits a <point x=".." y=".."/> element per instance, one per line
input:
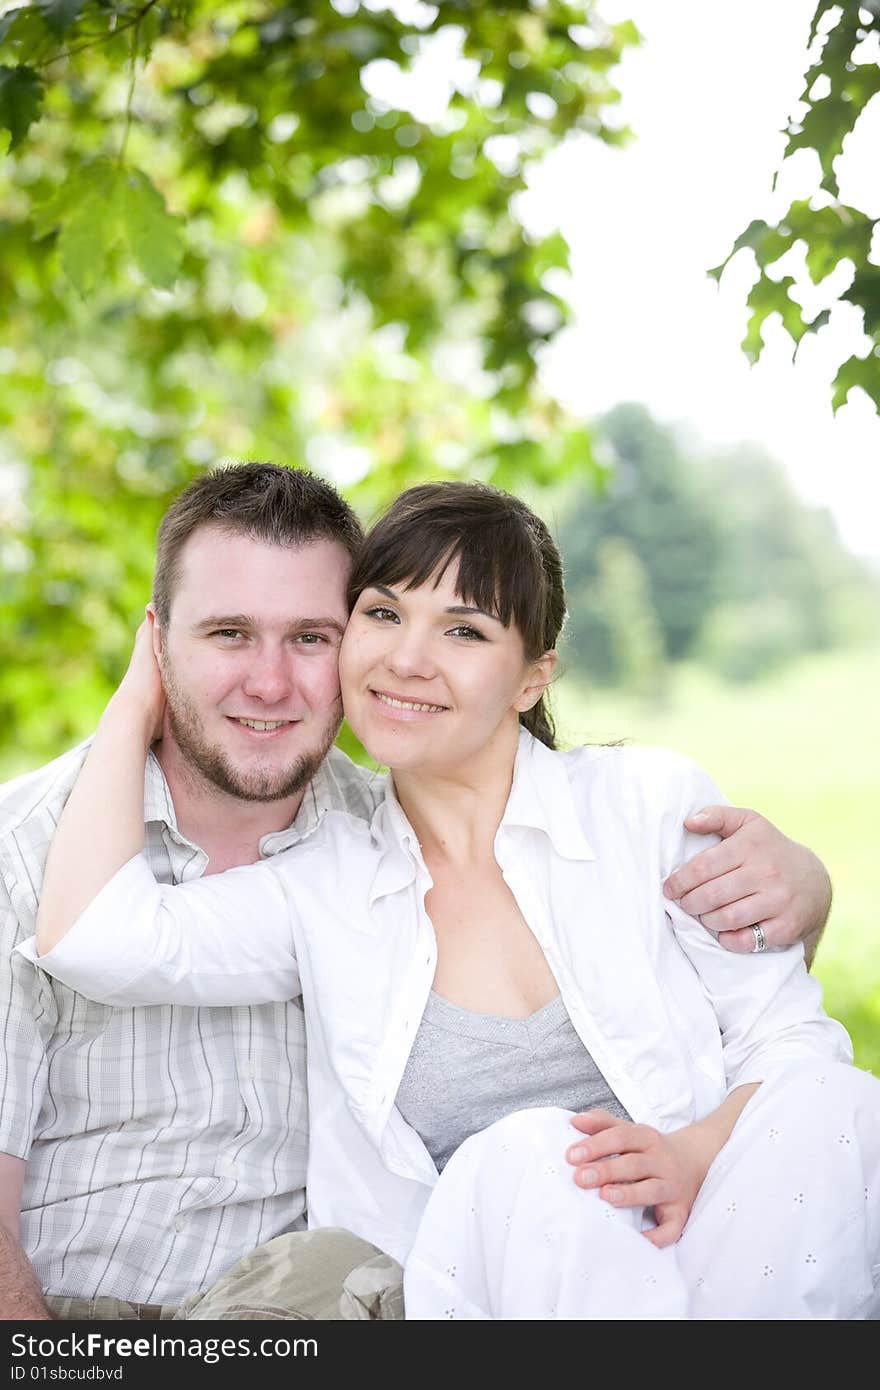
<point x="262" y="726"/>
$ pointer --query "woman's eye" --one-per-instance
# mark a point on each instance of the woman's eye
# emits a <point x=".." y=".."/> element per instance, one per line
<point x="470" y="634"/>
<point x="382" y="615"/>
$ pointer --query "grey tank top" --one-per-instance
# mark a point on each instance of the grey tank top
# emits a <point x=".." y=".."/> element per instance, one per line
<point x="467" y="1070"/>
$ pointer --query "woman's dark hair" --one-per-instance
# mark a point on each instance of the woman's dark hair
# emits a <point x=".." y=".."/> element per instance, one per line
<point x="508" y="563"/>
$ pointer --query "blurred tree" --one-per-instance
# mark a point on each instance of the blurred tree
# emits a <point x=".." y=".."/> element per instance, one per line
<point x="784" y="582"/>
<point x="655" y="502"/>
<point x="243" y="230"/>
<point x="714" y="556"/>
<point x="635" y="636"/>
<point x="843" y="78"/>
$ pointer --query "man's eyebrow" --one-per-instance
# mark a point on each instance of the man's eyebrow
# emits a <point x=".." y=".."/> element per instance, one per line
<point x="310" y="624"/>
<point x="246" y="620"/>
<point x="224" y="620"/>
<point x="460" y="610"/>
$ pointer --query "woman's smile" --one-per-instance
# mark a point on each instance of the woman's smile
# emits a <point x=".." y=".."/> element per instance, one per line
<point x="395" y="706"/>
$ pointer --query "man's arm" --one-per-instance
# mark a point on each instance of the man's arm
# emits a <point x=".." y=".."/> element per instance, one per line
<point x="20" y="1294"/>
<point x="754" y="875"/>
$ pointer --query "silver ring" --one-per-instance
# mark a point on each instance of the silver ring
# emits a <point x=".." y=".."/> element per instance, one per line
<point x="760" y="943"/>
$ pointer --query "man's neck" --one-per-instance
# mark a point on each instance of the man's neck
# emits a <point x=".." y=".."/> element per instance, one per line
<point x="227" y="828"/>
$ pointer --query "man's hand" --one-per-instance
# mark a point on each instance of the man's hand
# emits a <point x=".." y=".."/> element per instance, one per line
<point x="637" y="1166"/>
<point x="755" y="875"/>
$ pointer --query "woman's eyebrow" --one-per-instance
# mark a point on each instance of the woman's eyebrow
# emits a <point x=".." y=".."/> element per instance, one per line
<point x="462" y="610"/>
<point x="459" y="610"/>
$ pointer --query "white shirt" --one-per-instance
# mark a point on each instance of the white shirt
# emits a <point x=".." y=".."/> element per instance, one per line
<point x="672" y="1019"/>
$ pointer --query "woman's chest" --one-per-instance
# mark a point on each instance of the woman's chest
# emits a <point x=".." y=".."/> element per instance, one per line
<point x="488" y="957"/>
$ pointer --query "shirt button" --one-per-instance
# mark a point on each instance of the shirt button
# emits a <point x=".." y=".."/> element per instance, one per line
<point x="179" y="1224"/>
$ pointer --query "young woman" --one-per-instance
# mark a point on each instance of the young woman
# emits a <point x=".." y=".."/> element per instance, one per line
<point x="492" y="955"/>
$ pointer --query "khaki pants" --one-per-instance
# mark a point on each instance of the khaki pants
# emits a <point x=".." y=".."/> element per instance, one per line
<point x="321" y="1275"/>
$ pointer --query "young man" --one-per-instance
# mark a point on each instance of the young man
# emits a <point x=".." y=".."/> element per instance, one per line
<point x="152" y="1160"/>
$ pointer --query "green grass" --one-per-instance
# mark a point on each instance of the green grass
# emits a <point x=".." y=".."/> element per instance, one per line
<point x="804" y="749"/>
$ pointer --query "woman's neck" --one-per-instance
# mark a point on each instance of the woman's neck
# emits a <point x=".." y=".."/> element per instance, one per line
<point x="455" y="812"/>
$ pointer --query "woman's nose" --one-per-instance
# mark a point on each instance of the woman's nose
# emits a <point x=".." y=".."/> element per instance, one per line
<point x="409" y="654"/>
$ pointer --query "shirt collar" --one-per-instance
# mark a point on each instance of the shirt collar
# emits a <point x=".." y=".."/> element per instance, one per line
<point x="318" y="799"/>
<point x="401" y="854"/>
<point x="158" y="805"/>
<point x="541" y="799"/>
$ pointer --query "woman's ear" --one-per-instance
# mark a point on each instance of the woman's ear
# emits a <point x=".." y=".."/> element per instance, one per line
<point x="540" y="674"/>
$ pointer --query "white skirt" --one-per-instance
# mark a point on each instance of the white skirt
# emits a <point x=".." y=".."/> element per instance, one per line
<point x="785" y="1226"/>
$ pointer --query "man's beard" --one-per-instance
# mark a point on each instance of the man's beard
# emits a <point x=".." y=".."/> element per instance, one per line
<point x="210" y="762"/>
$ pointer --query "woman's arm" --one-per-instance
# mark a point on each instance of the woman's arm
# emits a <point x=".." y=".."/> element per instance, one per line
<point x="769" y="1010"/>
<point x="102" y="825"/>
<point x="105" y="926"/>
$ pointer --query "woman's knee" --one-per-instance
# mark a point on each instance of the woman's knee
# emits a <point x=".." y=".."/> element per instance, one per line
<point x="826" y="1090"/>
<point x="538" y="1122"/>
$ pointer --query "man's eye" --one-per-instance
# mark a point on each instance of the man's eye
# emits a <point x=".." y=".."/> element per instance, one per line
<point x="470" y="634"/>
<point x="382" y="615"/>
<point x="227" y="633"/>
<point x="311" y="639"/>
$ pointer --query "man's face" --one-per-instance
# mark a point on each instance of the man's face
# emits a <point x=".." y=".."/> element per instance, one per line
<point x="249" y="660"/>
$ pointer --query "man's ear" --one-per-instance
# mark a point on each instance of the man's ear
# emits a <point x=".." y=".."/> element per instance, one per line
<point x="539" y="677"/>
<point x="155" y="629"/>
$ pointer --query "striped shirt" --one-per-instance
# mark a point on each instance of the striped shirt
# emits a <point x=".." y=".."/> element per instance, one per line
<point x="165" y="1142"/>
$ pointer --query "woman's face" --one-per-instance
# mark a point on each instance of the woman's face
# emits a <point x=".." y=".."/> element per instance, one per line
<point x="429" y="682"/>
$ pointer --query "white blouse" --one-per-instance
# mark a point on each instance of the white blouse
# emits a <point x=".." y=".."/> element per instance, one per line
<point x="672" y="1019"/>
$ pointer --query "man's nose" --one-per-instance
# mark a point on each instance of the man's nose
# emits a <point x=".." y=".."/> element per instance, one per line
<point x="268" y="677"/>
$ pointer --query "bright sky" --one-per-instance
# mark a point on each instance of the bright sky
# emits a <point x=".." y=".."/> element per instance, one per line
<point x="707" y="94"/>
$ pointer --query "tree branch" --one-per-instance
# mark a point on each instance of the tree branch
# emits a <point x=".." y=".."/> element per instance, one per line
<point x="105" y="38"/>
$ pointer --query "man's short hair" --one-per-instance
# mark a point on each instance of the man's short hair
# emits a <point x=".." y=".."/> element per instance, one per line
<point x="266" y="502"/>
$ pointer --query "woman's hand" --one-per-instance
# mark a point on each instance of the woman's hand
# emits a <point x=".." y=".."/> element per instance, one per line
<point x="637" y="1166"/>
<point x="140" y="696"/>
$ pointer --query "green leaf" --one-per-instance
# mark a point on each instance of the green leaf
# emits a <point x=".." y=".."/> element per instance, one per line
<point x="772" y="297"/>
<point x="88" y="235"/>
<point x="21" y="96"/>
<point x="858" y="371"/>
<point x="153" y="236"/>
<point x="768" y="244"/>
<point x="812" y="326"/>
<point x="865" y="293"/>
<point x="48" y="214"/>
<point x="7" y="22"/>
<point x="61" y="14"/>
<point x="821" y="9"/>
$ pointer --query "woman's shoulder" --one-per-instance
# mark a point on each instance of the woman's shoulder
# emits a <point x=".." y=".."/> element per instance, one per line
<point x="644" y="782"/>
<point x="630" y="764"/>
